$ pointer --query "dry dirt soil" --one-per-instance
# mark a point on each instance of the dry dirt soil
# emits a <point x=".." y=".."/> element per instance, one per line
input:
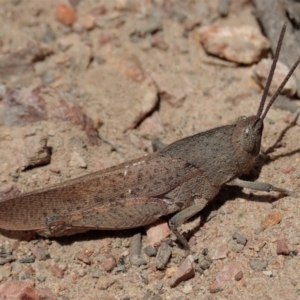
<point x="124" y="73"/>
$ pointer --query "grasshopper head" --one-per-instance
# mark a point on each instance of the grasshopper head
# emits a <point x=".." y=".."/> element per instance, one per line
<point x="250" y="131"/>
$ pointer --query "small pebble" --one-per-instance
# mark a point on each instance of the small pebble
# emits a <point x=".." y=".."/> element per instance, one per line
<point x="15" y="176"/>
<point x="282" y="247"/>
<point x="163" y="255"/>
<point x="203" y="264"/>
<point x="24" y="290"/>
<point x="235" y="247"/>
<point x="223" y="8"/>
<point x="89" y="22"/>
<point x="121" y="260"/>
<point x="228" y="272"/>
<point x="77" y="160"/>
<point x="273" y="218"/>
<point x="39" y="252"/>
<point x="7" y="259"/>
<point x="109" y="263"/>
<point x="240" y="44"/>
<point x="16" y="267"/>
<point x="77" y="27"/>
<point x="66" y="42"/>
<point x="84" y="257"/>
<point x="294" y="253"/>
<point x="152" y="127"/>
<point x="27" y="259"/>
<point x="157" y="231"/>
<point x="96" y="274"/>
<point x="81" y="272"/>
<point x="56" y="271"/>
<point x="135" y="256"/>
<point x="65" y="14"/>
<point x="145" y="277"/>
<point x="240" y="239"/>
<point x="104" y="282"/>
<point x="48" y="77"/>
<point x="184" y="272"/>
<point x="104" y="38"/>
<point x="29" y="271"/>
<point x="5" y="271"/>
<point x="258" y="246"/>
<point x="170" y="271"/>
<point x="258" y="265"/>
<point x="54" y="169"/>
<point x="268" y="273"/>
<point x="221" y="252"/>
<point x="5" y="187"/>
<point x="278" y="263"/>
<point x="118" y="269"/>
<point x="204" y="251"/>
<point x="238" y="276"/>
<point x="213" y="288"/>
<point x="188" y="288"/>
<point x="150" y="251"/>
<point x="63" y="266"/>
<point x="55" y="258"/>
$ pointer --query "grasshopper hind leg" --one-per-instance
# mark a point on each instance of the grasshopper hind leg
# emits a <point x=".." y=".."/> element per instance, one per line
<point x="124" y="214"/>
<point x="183" y="216"/>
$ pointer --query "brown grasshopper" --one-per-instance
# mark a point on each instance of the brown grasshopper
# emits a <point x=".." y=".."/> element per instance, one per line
<point x="180" y="178"/>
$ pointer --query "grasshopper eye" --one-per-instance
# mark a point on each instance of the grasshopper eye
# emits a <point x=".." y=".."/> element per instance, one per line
<point x="247" y="139"/>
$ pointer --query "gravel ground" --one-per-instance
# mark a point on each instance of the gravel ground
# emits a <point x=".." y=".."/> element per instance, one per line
<point x="113" y="76"/>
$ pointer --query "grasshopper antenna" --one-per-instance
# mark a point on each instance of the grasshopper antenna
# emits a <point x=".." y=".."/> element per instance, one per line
<point x="260" y="114"/>
<point x="280" y="87"/>
<point x="271" y="73"/>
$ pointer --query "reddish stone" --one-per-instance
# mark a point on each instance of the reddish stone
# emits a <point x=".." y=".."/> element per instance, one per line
<point x="221" y="252"/>
<point x="184" y="272"/>
<point x="39" y="252"/>
<point x="229" y="271"/>
<point x="241" y="44"/>
<point x="65" y="14"/>
<point x="157" y="231"/>
<point x="109" y="263"/>
<point x="238" y="276"/>
<point x="282" y="247"/>
<point x="83" y="256"/>
<point x="19" y="290"/>
<point x="56" y="271"/>
<point x="273" y="218"/>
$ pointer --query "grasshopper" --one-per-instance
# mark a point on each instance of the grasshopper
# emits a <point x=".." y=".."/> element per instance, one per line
<point x="180" y="178"/>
